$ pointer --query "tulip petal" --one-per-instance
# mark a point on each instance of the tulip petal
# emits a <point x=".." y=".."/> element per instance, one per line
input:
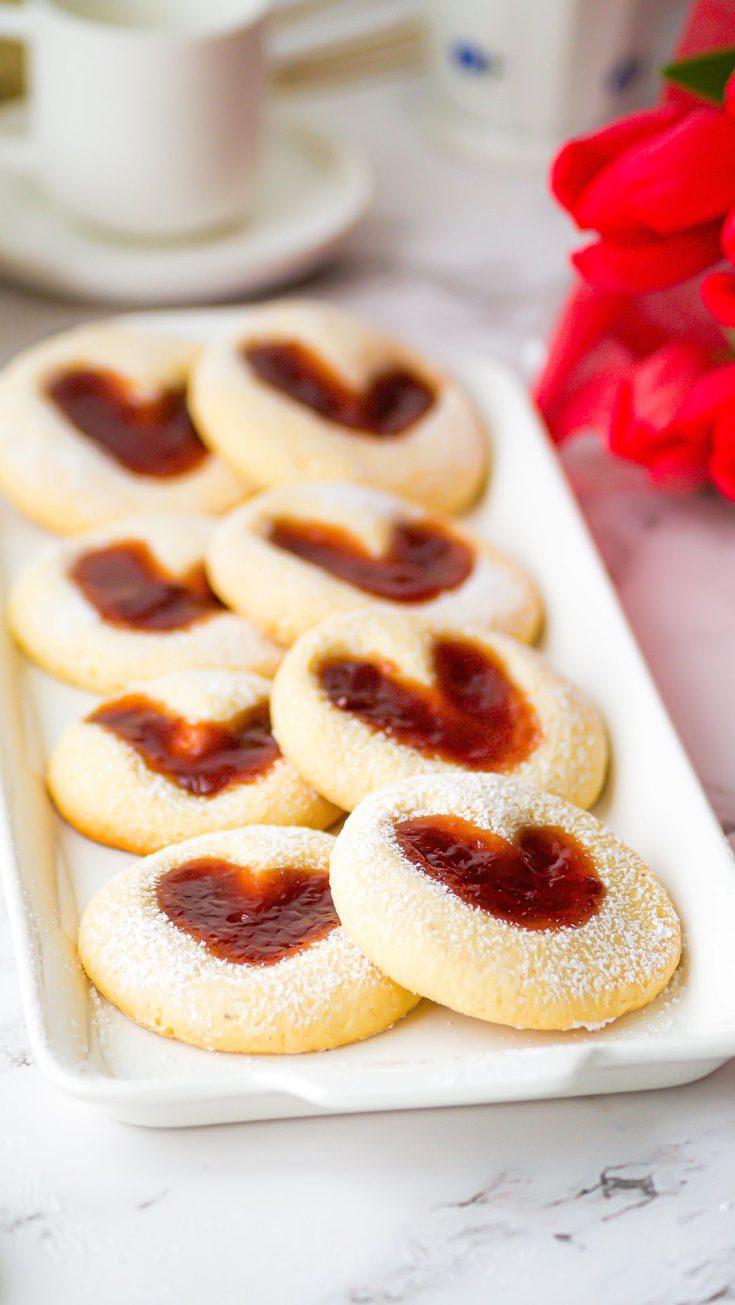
<point x="659" y="384"/>
<point x="580" y="160"/>
<point x="679" y="178"/>
<point x="646" y="425"/>
<point x="710" y="393"/>
<point x="728" y="236"/>
<point x="587" y="317"/>
<point x="718" y="296"/>
<point x="675" y="460"/>
<point x="622" y="438"/>
<point x="638" y="266"/>
<point x="722" y="462"/>
<point x="588" y="403"/>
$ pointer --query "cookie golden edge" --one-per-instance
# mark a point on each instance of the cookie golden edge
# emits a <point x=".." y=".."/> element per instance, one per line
<point x="326" y="996"/>
<point x="424" y="936"/>
<point x="60" y="480"/>
<point x="104" y="789"/>
<point x="442" y="461"/>
<point x="247" y="571"/>
<point x="570" y="761"/>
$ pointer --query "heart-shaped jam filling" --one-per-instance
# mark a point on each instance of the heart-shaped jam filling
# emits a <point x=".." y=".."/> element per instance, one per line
<point x="245" y="917"/>
<point x="543" y="880"/>
<point x="130" y="588"/>
<point x="201" y="757"/>
<point x="473" y="714"/>
<point x="420" y="561"/>
<point x="392" y="402"/>
<point x="149" y="436"/>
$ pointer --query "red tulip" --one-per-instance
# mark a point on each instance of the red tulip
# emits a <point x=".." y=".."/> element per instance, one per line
<point x="634" y="356"/>
<point x="718" y="296"/>
<point x="718" y="289"/>
<point x="722" y="463"/>
<point x="655" y="186"/>
<point x="645" y="426"/>
<point x="668" y="412"/>
<point x="728" y="236"/>
<point x="582" y="160"/>
<point x="599" y="337"/>
<point x="647" y="262"/>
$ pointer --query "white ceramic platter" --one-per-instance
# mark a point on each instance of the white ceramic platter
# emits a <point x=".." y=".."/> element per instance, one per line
<point x="313" y="191"/>
<point x="653" y="800"/>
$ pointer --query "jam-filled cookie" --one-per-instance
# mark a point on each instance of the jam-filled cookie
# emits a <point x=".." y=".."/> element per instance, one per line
<point x="503" y="902"/>
<point x="302" y="391"/>
<point x="231" y="942"/>
<point x="182" y="755"/>
<point x="366" y="699"/>
<point x="95" y="425"/>
<point x="130" y="601"/>
<point x="299" y="553"/>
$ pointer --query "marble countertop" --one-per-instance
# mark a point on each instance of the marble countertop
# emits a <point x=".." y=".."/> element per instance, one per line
<point x="610" y="1199"/>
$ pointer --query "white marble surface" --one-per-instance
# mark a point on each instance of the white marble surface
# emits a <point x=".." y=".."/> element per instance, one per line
<point x="614" y="1199"/>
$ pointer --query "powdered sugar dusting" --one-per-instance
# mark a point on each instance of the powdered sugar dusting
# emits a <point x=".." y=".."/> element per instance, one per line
<point x="496" y="594"/>
<point x="569" y="758"/>
<point x="631" y="940"/>
<point x="61" y="478"/>
<point x="131" y="949"/>
<point x="105" y="788"/>
<point x="65" y="633"/>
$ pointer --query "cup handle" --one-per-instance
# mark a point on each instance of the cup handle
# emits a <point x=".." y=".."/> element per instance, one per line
<point x="17" y="23"/>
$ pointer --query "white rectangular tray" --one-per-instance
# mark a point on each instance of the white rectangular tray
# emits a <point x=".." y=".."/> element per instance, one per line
<point x="652" y="800"/>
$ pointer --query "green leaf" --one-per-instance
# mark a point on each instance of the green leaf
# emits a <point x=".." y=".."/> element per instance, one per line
<point x="706" y="75"/>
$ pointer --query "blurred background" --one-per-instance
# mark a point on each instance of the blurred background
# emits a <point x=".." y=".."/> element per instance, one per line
<point x="537" y="70"/>
<point x="446" y="113"/>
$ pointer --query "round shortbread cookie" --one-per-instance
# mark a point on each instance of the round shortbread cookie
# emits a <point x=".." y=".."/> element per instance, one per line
<point x="322" y="993"/>
<point x="432" y="449"/>
<point x="59" y="627"/>
<point x="66" y="404"/>
<point x="559" y="926"/>
<point x="483" y="701"/>
<point x="283" y="560"/>
<point x="187" y="754"/>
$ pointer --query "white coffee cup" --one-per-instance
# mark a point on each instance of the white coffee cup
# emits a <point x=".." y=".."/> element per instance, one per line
<point x="145" y="116"/>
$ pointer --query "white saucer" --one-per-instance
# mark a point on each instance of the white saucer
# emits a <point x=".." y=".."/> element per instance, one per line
<point x="312" y="192"/>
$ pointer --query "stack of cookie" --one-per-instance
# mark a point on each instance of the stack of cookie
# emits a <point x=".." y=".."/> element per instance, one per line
<point x="259" y="581"/>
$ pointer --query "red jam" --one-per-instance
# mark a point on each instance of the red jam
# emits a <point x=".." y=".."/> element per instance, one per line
<point x="129" y="587"/>
<point x="393" y="401"/>
<point x="473" y="716"/>
<point x="245" y="917"/>
<point x="420" y="562"/>
<point x="202" y="757"/>
<point x="544" y="880"/>
<point x="148" y="436"/>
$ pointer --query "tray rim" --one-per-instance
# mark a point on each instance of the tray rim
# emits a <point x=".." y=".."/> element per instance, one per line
<point x="582" y="1066"/>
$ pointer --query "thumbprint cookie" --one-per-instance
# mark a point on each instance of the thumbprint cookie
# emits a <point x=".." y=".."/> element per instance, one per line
<point x="367" y="699"/>
<point x="130" y="601"/>
<point x="182" y="755"/>
<point x="303" y="391"/>
<point x="95" y="425"/>
<point x="231" y="942"/>
<point x="299" y="553"/>
<point x="503" y="902"/>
